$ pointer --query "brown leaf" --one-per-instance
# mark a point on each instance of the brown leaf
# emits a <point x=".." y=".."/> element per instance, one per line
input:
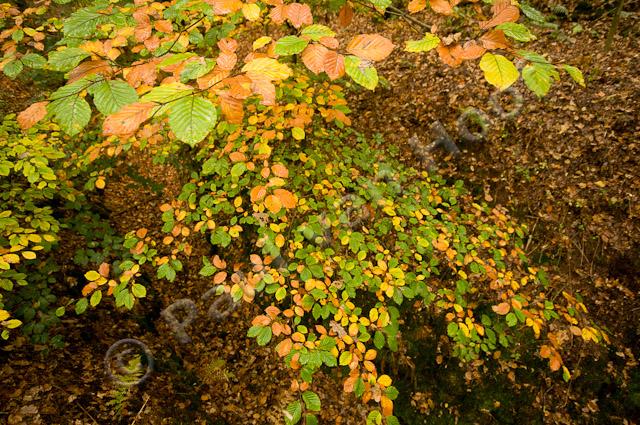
<point x="34" y="113"/>
<point x="372" y="47"/>
<point x="495" y="40"/>
<point x="445" y="56"/>
<point x="345" y="16"/>
<point x="93" y="67"/>
<point x="470" y="50"/>
<point x="128" y="119"/>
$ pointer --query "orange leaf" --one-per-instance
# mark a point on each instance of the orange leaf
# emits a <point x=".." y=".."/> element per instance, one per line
<point x="219" y="277"/>
<point x="502" y="308"/>
<point x="142" y="73"/>
<point x="416" y="6"/>
<point x="280" y="170"/>
<point x="349" y="384"/>
<point x="127" y="120"/>
<point x="261" y="320"/>
<point x="288" y="199"/>
<point x="503" y="11"/>
<point x="164" y="26"/>
<point x="237" y="156"/>
<point x="298" y="14"/>
<point x="387" y="406"/>
<point x="231" y="109"/>
<point x="330" y="42"/>
<point x="104" y="269"/>
<point x="441" y="6"/>
<point x="545" y="352"/>
<point x="277" y="14"/>
<point x="470" y="50"/>
<point x="226" y="61"/>
<point x="34" y="113"/>
<point x="272" y="311"/>
<point x="265" y="88"/>
<point x="334" y="65"/>
<point x="220" y="264"/>
<point x="345" y="16"/>
<point x="313" y="57"/>
<point x="555" y="361"/>
<point x="445" y="56"/>
<point x="273" y="204"/>
<point x="284" y="347"/>
<point x="228" y="45"/>
<point x="372" y="47"/>
<point x="495" y="40"/>
<point x="257" y="193"/>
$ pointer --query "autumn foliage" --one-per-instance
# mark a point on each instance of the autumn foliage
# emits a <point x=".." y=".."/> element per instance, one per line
<point x="260" y="117"/>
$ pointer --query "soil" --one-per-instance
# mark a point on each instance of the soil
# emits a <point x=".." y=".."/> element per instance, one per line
<point x="567" y="166"/>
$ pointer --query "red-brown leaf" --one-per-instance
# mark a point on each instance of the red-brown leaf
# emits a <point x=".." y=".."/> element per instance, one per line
<point x="503" y="11"/>
<point x="334" y="64"/>
<point x="128" y="119"/>
<point x="495" y="40"/>
<point x="34" y="113"/>
<point x="345" y="16"/>
<point x="298" y="14"/>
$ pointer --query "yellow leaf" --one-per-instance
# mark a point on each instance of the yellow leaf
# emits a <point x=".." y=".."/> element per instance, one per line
<point x="4" y="315"/>
<point x="100" y="183"/>
<point x="261" y="42"/>
<point x="297" y="133"/>
<point x="251" y="11"/>
<point x="384" y="380"/>
<point x="499" y="71"/>
<point x="267" y="68"/>
<point x="92" y="275"/>
<point x="29" y="255"/>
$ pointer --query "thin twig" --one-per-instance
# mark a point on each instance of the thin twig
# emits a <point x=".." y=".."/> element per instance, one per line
<point x="141" y="409"/>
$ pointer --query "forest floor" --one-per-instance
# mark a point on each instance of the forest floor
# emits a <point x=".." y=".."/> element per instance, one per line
<point x="567" y="166"/>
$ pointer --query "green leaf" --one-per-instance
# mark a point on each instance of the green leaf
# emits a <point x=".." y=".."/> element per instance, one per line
<point x="363" y="74"/>
<point x="537" y="79"/>
<point x="392" y="420"/>
<point x="374" y="418"/>
<point x="281" y="293"/>
<point x="310" y="419"/>
<point x="84" y="22"/>
<point x="293" y="413"/>
<point x="315" y="32"/>
<point x="264" y="336"/>
<point x="452" y="329"/>
<point x="378" y="340"/>
<point x="498" y="70"/>
<point x="575" y="73"/>
<point x="34" y="60"/>
<point x="381" y="5"/>
<point x="290" y="45"/>
<point x="311" y="400"/>
<point x="167" y="93"/>
<point x="95" y="298"/>
<point x="196" y="69"/>
<point x="72" y="113"/>
<point x="192" y="118"/>
<point x="238" y="169"/>
<point x="532" y="13"/>
<point x="427" y="43"/>
<point x="67" y="59"/>
<point x="13" y="68"/>
<point x="511" y="319"/>
<point x="138" y="290"/>
<point x="111" y="95"/>
<point x="516" y="31"/>
<point x="81" y="305"/>
<point x="215" y="165"/>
